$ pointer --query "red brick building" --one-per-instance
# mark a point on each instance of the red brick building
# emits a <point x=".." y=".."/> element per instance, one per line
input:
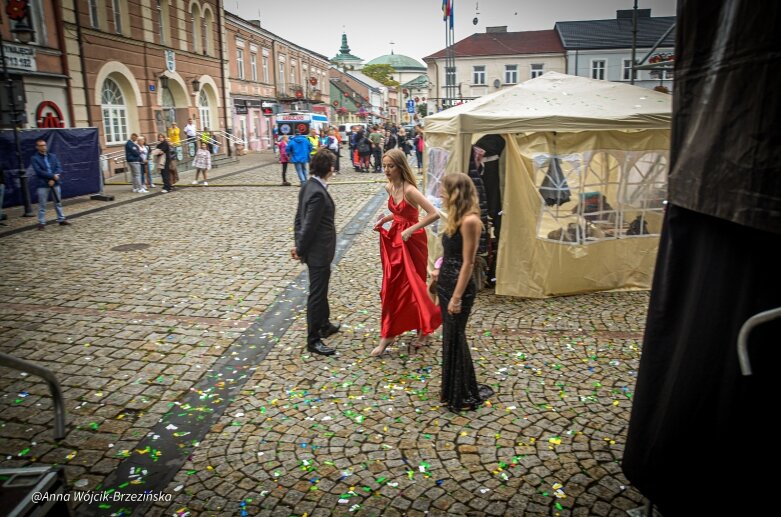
<point x="139" y="65"/>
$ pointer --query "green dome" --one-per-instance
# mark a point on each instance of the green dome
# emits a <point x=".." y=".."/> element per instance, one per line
<point x="399" y="62"/>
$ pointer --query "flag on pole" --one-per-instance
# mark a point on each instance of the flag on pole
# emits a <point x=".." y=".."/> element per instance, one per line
<point x="445" y="9"/>
<point x="451" y="8"/>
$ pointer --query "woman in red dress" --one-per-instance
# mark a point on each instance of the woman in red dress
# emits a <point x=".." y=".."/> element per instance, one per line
<point x="406" y="304"/>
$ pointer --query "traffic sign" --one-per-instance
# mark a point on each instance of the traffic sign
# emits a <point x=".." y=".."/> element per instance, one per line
<point x="410" y="106"/>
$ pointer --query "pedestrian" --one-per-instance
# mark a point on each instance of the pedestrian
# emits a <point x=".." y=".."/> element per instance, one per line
<point x="315" y="246"/>
<point x="143" y="154"/>
<point x="402" y="141"/>
<point x="354" y="148"/>
<point x="206" y="136"/>
<point x="283" y="159"/>
<point x="418" y="142"/>
<point x="189" y="130"/>
<point x="376" y="139"/>
<point x="298" y="151"/>
<point x="456" y="291"/>
<point x="162" y="154"/>
<point x="173" y="165"/>
<point x="48" y="171"/>
<point x="364" y="147"/>
<point x="332" y="144"/>
<point x="173" y="134"/>
<point x="202" y="163"/>
<point x="390" y="141"/>
<point x="406" y="304"/>
<point x="133" y="160"/>
<point x="315" y="141"/>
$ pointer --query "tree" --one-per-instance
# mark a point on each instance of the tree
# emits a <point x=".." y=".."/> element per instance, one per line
<point x="422" y="109"/>
<point x="381" y="73"/>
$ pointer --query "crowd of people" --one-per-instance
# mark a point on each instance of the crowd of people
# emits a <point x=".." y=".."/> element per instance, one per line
<point x="363" y="143"/>
<point x="143" y="160"/>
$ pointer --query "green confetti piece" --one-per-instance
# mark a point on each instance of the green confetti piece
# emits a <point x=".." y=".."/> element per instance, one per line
<point x="23" y="452"/>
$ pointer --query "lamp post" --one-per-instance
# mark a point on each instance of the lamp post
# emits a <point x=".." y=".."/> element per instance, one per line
<point x="24" y="33"/>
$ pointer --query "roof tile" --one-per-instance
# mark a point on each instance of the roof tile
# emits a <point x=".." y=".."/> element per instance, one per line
<point x="505" y="43"/>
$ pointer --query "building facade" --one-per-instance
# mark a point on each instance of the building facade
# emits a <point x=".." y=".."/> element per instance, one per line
<point x="602" y="49"/>
<point x="39" y="68"/>
<point x="268" y="75"/>
<point x="137" y="66"/>
<point x="490" y="61"/>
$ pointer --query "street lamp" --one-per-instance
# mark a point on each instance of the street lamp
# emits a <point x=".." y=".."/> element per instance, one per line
<point x="24" y="33"/>
<point x="196" y="85"/>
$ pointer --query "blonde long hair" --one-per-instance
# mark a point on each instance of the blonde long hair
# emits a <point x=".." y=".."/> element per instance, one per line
<point x="459" y="199"/>
<point x="399" y="159"/>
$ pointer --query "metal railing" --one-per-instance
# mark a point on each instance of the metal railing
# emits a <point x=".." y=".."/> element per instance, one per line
<point x="114" y="161"/>
<point x="54" y="387"/>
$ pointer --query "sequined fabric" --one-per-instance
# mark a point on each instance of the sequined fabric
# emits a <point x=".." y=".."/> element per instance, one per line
<point x="460" y="389"/>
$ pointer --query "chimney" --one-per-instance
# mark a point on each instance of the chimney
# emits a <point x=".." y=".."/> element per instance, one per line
<point x="626" y="14"/>
<point x="501" y="28"/>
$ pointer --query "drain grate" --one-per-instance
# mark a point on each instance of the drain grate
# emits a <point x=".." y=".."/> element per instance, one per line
<point x="131" y="247"/>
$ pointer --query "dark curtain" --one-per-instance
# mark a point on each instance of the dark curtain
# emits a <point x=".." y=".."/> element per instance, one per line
<point x="700" y="434"/>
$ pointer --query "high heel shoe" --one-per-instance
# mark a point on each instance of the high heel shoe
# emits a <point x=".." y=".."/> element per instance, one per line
<point x="421" y="341"/>
<point x="382" y="347"/>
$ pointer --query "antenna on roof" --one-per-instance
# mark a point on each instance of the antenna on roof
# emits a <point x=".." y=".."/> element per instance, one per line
<point x="392" y="43"/>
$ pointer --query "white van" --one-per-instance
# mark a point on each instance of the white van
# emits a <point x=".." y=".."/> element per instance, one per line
<point x="346" y="129"/>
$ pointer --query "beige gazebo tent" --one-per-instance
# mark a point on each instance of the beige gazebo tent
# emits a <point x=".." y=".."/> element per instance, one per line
<point x="597" y="151"/>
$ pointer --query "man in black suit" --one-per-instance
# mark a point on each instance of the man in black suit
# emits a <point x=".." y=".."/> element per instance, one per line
<point x="315" y="235"/>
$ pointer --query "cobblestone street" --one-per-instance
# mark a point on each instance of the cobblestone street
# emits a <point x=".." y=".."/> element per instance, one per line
<point x="175" y="326"/>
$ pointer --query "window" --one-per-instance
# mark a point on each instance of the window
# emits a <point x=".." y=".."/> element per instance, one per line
<point x="293" y="72"/>
<point x="94" y="21"/>
<point x="537" y="70"/>
<point x="253" y="63"/>
<point x="626" y="73"/>
<point x="450" y="75"/>
<point x="203" y="109"/>
<point x="195" y="19"/>
<point x="478" y="74"/>
<point x="510" y="74"/>
<point x="265" y="68"/>
<point x="281" y="75"/>
<point x="162" y="20"/>
<point x="240" y="62"/>
<point x="114" y="113"/>
<point x="595" y="195"/>
<point x="117" y="7"/>
<point x="598" y="69"/>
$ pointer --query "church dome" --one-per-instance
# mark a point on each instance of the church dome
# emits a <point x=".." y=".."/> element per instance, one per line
<point x="399" y="62"/>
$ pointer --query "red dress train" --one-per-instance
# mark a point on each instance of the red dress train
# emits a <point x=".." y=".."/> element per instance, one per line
<point x="406" y="304"/>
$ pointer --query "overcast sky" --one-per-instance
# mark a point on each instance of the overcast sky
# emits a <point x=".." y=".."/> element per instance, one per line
<point x="415" y="26"/>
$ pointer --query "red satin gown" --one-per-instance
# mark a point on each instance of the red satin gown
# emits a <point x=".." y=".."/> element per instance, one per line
<point x="406" y="304"/>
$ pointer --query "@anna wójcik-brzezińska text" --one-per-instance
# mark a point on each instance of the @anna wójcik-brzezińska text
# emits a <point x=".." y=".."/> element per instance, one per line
<point x="100" y="497"/>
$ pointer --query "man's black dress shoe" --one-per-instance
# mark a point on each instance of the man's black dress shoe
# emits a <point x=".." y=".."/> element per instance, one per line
<point x="329" y="330"/>
<point x="318" y="347"/>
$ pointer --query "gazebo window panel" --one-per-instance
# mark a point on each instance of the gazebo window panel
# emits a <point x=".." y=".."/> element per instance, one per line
<point x="599" y="195"/>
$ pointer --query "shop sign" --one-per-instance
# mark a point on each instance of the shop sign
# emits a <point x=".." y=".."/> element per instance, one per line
<point x="49" y="115"/>
<point x="20" y="57"/>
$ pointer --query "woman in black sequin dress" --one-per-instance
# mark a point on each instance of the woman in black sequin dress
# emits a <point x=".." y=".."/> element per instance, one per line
<point x="456" y="291"/>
